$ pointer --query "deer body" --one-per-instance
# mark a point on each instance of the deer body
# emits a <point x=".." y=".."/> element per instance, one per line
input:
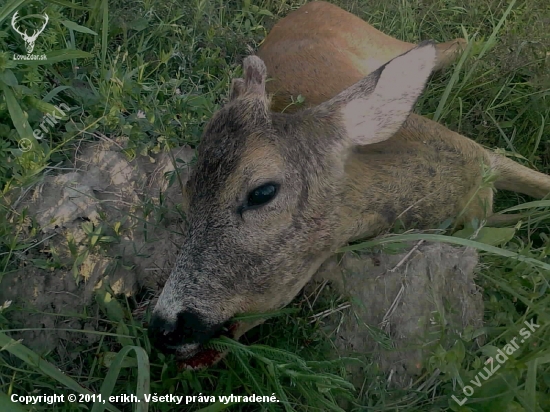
<point x="319" y="50"/>
<point x="273" y="195"/>
<point x="421" y="182"/>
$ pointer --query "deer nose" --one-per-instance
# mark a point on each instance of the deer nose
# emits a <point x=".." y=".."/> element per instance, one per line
<point x="187" y="328"/>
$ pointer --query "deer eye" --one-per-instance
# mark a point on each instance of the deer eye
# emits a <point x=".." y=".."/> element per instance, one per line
<point x="261" y="195"/>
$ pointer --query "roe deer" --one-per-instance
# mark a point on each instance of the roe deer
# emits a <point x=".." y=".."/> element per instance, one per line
<point x="273" y="195"/>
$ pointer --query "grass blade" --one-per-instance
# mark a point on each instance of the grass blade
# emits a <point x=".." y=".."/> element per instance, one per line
<point x="68" y="4"/>
<point x="452" y="82"/>
<point x="216" y="407"/>
<point x="531" y="385"/>
<point x="34" y="360"/>
<point x="528" y="205"/>
<point x="17" y="115"/>
<point x="104" y="33"/>
<point x="143" y="379"/>
<point x="58" y="56"/>
<point x="447" y="239"/>
<point x="10" y="8"/>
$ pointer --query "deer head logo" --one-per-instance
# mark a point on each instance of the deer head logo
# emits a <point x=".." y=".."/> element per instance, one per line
<point x="29" y="40"/>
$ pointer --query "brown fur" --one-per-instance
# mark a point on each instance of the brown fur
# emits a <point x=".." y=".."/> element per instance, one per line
<point x="346" y="168"/>
<point x="319" y="50"/>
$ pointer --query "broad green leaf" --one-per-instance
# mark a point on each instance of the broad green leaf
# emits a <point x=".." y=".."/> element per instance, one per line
<point x="8" y="77"/>
<point x="42" y="105"/>
<point x="108" y="358"/>
<point x="515" y="407"/>
<point x="55" y="92"/>
<point x="493" y="236"/>
<point x="495" y="393"/>
<point x="139" y="24"/>
<point x="111" y="307"/>
<point x="6" y="405"/>
<point x="508" y="153"/>
<point x="123" y="331"/>
<point x="77" y="27"/>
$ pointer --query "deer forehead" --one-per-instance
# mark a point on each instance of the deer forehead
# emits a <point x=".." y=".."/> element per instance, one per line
<point x="234" y="157"/>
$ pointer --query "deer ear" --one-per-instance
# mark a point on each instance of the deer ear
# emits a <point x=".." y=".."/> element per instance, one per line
<point x="254" y="79"/>
<point x="376" y="107"/>
<point x="255" y="74"/>
<point x="237" y="88"/>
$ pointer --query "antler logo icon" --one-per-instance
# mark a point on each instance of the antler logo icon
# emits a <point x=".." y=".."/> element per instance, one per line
<point x="29" y="40"/>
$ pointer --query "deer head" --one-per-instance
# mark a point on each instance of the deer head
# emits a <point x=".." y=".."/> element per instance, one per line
<point x="29" y="40"/>
<point x="264" y="201"/>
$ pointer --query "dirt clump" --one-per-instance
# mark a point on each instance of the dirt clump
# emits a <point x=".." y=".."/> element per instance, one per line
<point x="401" y="306"/>
<point x="107" y="223"/>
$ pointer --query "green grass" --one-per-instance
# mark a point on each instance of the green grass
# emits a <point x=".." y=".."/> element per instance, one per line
<point x="172" y="60"/>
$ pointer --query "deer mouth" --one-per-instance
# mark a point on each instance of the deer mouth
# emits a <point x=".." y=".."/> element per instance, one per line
<point x="206" y="357"/>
